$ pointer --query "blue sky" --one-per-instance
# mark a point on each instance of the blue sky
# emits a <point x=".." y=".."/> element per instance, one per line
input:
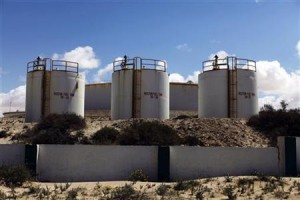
<point x="184" y="33"/>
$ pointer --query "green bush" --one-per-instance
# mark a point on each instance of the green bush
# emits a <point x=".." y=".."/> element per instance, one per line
<point x="3" y="134"/>
<point x="181" y="186"/>
<point x="14" y="175"/>
<point x="229" y="192"/>
<point x="192" y="141"/>
<point x="53" y="136"/>
<point x="67" y="121"/>
<point x="124" y="192"/>
<point x="138" y="175"/>
<point x="55" y="129"/>
<point x="274" y="123"/>
<point x="186" y="185"/>
<point x="182" y="117"/>
<point x="73" y="193"/>
<point x="162" y="189"/>
<point x="106" y="135"/>
<point x="149" y="133"/>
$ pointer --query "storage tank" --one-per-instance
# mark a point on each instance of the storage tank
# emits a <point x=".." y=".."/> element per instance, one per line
<point x="227" y="88"/>
<point x="140" y="89"/>
<point x="53" y="86"/>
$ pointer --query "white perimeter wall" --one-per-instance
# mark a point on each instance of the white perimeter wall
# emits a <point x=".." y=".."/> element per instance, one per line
<point x="94" y="163"/>
<point x="194" y="162"/>
<point x="12" y="154"/>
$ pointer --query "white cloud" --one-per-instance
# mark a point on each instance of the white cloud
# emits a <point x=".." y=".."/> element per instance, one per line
<point x="183" y="47"/>
<point x="298" y="48"/>
<point x="175" y="77"/>
<point x="85" y="56"/>
<point x="194" y="77"/>
<point x="13" y="100"/>
<point x="103" y="75"/>
<point x="276" y="84"/>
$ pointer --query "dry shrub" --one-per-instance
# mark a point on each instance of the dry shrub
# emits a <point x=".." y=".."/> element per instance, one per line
<point x="55" y="129"/>
<point x="106" y="135"/>
<point x="274" y="123"/>
<point x="12" y="175"/>
<point x="149" y="133"/>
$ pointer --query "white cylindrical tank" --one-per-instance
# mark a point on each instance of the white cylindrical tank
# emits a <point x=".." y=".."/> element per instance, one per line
<point x="140" y="89"/>
<point x="53" y="87"/>
<point x="228" y="88"/>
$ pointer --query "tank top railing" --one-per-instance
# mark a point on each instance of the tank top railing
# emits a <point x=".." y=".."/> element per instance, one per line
<point x="229" y="63"/>
<point x="52" y="65"/>
<point x="138" y="63"/>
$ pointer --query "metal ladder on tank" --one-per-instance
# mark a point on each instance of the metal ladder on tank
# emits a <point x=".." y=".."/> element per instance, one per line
<point x="46" y="92"/>
<point x="136" y="88"/>
<point x="232" y="87"/>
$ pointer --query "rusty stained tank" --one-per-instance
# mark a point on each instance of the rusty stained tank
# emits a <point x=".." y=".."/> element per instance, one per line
<point x="228" y="88"/>
<point x="53" y="86"/>
<point x="140" y="89"/>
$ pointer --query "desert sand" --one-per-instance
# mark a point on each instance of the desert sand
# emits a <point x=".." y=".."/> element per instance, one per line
<point x="212" y="188"/>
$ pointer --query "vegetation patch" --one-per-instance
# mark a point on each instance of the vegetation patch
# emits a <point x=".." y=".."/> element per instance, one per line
<point x="13" y="176"/>
<point x="138" y="175"/>
<point x="3" y="134"/>
<point x="277" y="122"/>
<point x="124" y="192"/>
<point x="191" y="140"/>
<point x="105" y="136"/>
<point x="149" y="133"/>
<point x="55" y="129"/>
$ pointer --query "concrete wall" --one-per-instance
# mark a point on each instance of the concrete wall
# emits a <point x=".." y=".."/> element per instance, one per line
<point x="194" y="162"/>
<point x="184" y="96"/>
<point x="108" y="163"/>
<point x="97" y="96"/>
<point x="12" y="154"/>
<point x="94" y="163"/>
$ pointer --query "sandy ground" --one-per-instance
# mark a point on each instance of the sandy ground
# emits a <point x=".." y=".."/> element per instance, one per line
<point x="210" y="131"/>
<point x="212" y="188"/>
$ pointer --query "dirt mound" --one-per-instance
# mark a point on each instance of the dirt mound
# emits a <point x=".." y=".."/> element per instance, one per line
<point x="210" y="131"/>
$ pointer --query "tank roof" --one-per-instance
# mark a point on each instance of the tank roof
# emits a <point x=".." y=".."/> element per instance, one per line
<point x="228" y="63"/>
<point x="138" y="63"/>
<point x="47" y="64"/>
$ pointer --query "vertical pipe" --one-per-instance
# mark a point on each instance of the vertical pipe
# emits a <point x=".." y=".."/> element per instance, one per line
<point x="133" y="88"/>
<point x="43" y="93"/>
<point x="228" y="89"/>
<point x="236" y="88"/>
